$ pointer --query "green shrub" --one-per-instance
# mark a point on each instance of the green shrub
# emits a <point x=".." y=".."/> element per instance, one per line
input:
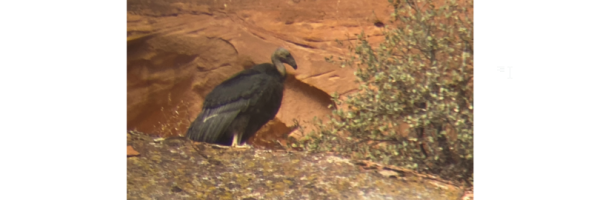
<point x="422" y="76"/>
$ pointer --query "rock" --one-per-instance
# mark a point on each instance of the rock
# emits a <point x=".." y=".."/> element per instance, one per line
<point x="179" y="169"/>
<point x="132" y="152"/>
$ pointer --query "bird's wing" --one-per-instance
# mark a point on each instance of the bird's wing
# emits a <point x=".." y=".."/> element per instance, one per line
<point x="211" y="124"/>
<point x="224" y="103"/>
<point x="243" y="85"/>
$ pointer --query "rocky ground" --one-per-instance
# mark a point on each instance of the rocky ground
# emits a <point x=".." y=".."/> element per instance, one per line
<point x="176" y="168"/>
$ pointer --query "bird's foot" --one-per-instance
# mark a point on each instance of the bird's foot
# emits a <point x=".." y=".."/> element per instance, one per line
<point x="242" y="146"/>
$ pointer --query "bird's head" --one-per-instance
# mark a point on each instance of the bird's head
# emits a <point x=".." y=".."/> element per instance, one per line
<point x="280" y="56"/>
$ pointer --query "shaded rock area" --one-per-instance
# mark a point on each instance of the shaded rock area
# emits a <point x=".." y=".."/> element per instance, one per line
<point x="176" y="168"/>
<point x="178" y="50"/>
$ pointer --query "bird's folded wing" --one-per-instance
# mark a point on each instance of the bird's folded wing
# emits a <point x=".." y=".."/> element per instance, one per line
<point x="244" y="85"/>
<point x="213" y="122"/>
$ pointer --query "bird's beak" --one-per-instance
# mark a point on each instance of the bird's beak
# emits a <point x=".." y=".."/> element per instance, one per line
<point x="290" y="61"/>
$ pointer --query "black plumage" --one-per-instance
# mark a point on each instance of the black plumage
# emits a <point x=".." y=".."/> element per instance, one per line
<point x="242" y="104"/>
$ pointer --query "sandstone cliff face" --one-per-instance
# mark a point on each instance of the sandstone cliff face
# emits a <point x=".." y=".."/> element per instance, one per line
<point x="178" y="50"/>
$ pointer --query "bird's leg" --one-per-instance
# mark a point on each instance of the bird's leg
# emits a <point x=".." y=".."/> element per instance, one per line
<point x="236" y="141"/>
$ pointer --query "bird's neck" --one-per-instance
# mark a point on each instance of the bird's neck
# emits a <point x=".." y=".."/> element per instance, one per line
<point x="279" y="65"/>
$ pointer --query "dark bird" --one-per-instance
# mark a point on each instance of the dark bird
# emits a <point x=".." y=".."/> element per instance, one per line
<point x="234" y="110"/>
